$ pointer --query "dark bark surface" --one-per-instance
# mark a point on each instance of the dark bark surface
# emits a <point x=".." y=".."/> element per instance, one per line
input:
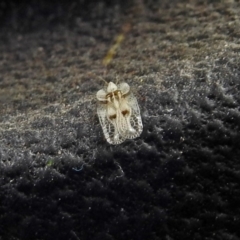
<point x="60" y="179"/>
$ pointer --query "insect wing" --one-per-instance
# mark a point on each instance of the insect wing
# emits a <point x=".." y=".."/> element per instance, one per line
<point x="124" y="88"/>
<point x="101" y="95"/>
<point x="135" y="117"/>
<point x="109" y="127"/>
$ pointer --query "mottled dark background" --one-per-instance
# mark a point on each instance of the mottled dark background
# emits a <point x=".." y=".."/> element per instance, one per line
<point x="60" y="179"/>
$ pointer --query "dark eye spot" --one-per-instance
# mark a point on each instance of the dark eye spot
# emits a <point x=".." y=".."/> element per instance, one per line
<point x="111" y="117"/>
<point x="125" y="112"/>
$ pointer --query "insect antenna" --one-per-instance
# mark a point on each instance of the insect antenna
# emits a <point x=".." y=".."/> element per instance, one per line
<point x="103" y="80"/>
<point x="117" y="78"/>
<point x="100" y="78"/>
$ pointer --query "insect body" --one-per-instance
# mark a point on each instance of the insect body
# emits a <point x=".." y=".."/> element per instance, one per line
<point x="119" y="113"/>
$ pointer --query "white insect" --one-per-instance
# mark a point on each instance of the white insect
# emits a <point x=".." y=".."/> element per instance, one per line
<point x="119" y="113"/>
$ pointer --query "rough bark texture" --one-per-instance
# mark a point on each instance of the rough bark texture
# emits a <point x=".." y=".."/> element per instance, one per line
<point x="60" y="179"/>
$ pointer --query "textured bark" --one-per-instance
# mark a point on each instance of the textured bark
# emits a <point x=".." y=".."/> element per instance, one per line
<point x="60" y="179"/>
